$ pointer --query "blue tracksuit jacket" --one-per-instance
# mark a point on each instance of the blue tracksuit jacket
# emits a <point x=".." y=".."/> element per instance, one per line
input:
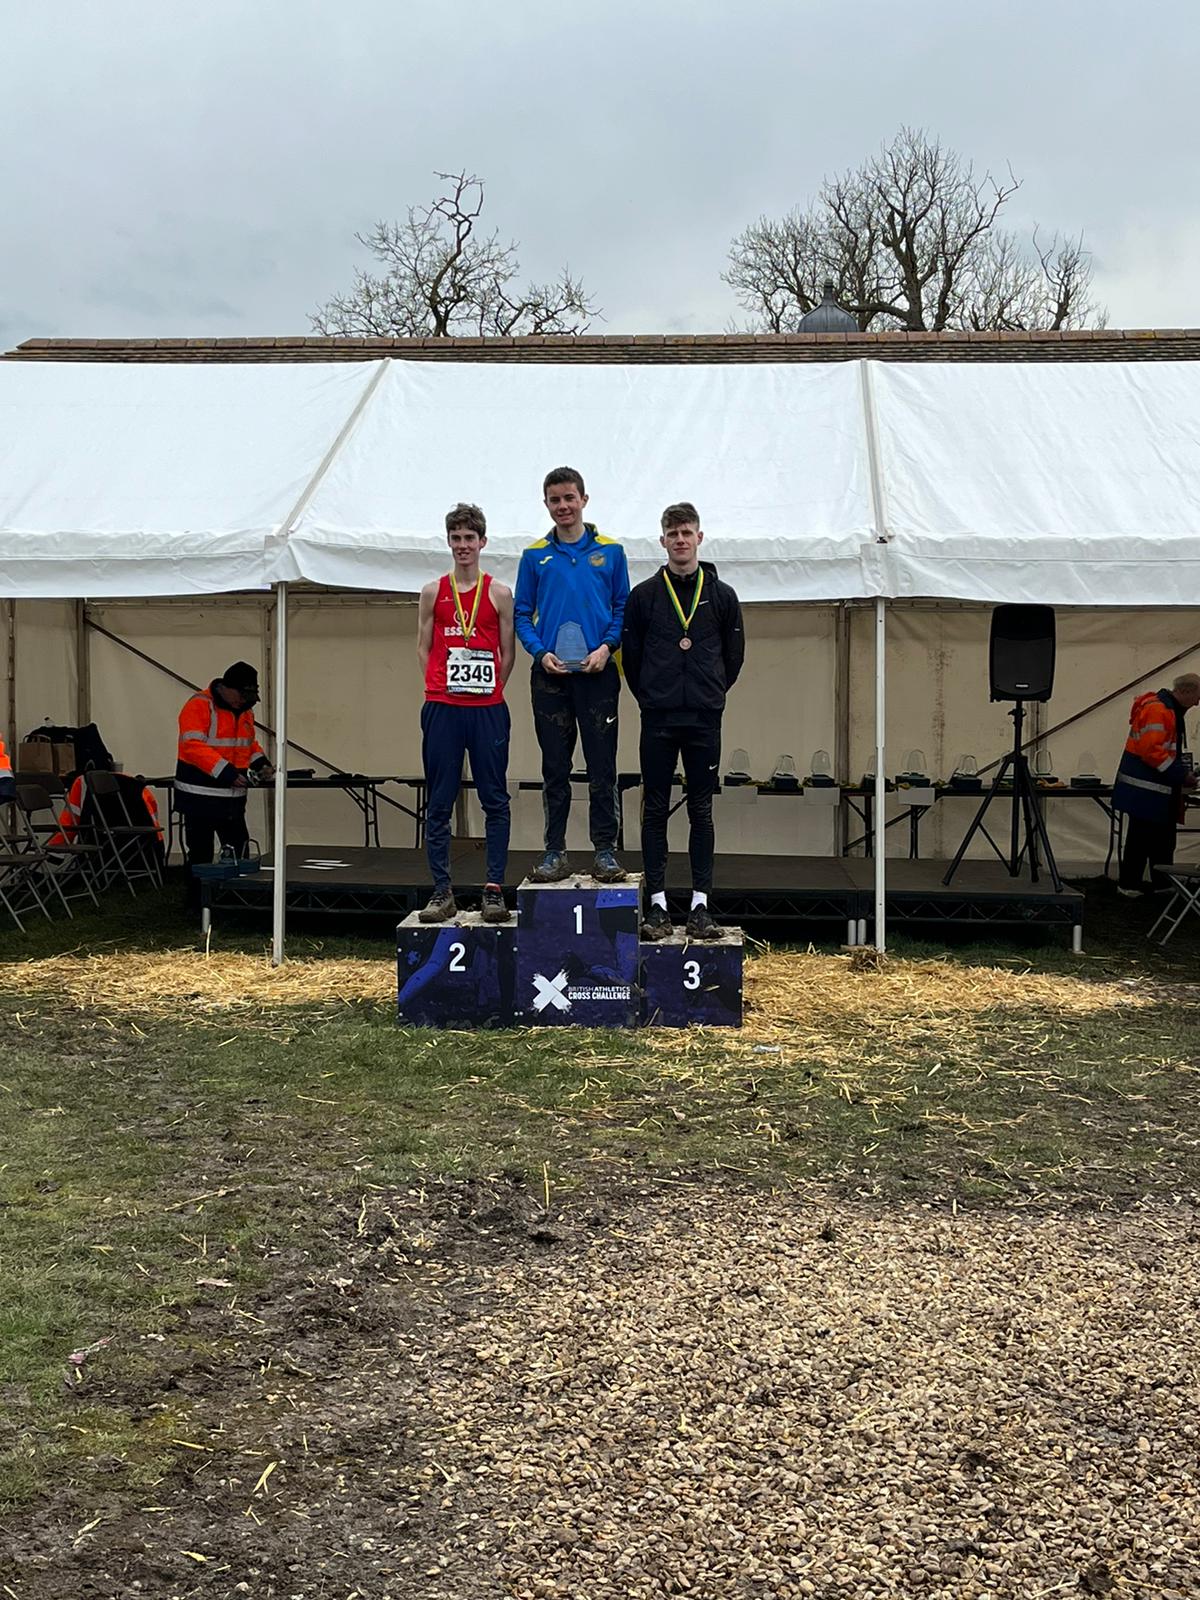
<point x="586" y="582"/>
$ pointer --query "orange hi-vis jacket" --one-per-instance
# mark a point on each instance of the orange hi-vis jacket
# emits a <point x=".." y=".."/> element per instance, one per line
<point x="6" y="774"/>
<point x="1150" y="778"/>
<point x="70" y="817"/>
<point x="215" y="745"/>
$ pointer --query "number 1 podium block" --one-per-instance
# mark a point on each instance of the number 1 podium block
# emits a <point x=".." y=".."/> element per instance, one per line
<point x="456" y="974"/>
<point x="685" y="985"/>
<point x="577" y="955"/>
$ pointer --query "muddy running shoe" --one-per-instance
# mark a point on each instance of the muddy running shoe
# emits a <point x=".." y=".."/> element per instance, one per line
<point x="552" y="868"/>
<point x="492" y="906"/>
<point x="657" y="924"/>
<point x="607" y="868"/>
<point x="440" y="907"/>
<point x="700" y="924"/>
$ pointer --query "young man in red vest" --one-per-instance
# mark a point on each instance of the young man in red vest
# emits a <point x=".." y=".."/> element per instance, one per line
<point x="465" y="647"/>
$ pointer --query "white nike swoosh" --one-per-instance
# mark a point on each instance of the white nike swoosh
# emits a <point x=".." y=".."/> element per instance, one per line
<point x="610" y="719"/>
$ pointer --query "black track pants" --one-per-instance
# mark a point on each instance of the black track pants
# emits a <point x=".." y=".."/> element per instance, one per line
<point x="699" y="749"/>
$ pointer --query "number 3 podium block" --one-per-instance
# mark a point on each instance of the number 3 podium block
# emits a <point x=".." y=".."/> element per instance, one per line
<point x="456" y="974"/>
<point x="577" y="955"/>
<point x="685" y="985"/>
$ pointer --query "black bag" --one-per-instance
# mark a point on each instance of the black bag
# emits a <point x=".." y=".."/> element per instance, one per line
<point x="91" y="752"/>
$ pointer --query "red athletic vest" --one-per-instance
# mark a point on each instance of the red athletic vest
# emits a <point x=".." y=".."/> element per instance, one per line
<point x="454" y="674"/>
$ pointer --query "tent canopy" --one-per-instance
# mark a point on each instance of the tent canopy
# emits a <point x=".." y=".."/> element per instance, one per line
<point x="1060" y="484"/>
<point x="1072" y="484"/>
<point x="131" y="480"/>
<point x="773" y="456"/>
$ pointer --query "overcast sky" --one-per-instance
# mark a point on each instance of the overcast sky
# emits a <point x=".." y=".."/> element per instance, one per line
<point x="174" y="168"/>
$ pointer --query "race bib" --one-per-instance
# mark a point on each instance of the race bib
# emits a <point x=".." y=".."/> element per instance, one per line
<point x="470" y="671"/>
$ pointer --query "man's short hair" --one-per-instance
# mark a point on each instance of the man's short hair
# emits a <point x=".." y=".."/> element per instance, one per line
<point x="682" y="511"/>
<point x="563" y="475"/>
<point x="465" y="515"/>
<point x="1187" y="680"/>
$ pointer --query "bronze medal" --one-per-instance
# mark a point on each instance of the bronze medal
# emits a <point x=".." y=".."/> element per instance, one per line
<point x="685" y="643"/>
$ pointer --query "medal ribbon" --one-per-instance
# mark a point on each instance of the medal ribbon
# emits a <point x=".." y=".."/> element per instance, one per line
<point x="468" y="628"/>
<point x="685" y="622"/>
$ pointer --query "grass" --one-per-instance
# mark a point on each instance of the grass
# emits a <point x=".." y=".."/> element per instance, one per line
<point x="163" y="1164"/>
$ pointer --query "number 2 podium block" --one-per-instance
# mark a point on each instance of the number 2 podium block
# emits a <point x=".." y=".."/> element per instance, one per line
<point x="577" y="955"/>
<point x="456" y="974"/>
<point x="685" y="985"/>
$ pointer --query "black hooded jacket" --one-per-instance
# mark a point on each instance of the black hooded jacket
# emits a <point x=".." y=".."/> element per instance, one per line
<point x="671" y="684"/>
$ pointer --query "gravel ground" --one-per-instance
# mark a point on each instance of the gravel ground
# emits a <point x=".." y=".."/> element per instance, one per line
<point x="730" y="1395"/>
<point x="683" y="1390"/>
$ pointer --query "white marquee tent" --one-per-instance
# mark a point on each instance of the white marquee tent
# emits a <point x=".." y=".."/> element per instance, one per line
<point x="1072" y="485"/>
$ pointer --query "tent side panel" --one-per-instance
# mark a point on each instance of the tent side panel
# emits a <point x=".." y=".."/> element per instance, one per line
<point x="938" y="702"/>
<point x="45" y="664"/>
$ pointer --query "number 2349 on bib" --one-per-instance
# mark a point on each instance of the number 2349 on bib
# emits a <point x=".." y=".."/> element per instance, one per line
<point x="470" y="671"/>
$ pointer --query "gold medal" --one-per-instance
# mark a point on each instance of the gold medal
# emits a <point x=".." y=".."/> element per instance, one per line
<point x="685" y="643"/>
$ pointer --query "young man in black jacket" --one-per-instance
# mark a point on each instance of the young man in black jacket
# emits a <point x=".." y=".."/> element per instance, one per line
<point x="681" y="649"/>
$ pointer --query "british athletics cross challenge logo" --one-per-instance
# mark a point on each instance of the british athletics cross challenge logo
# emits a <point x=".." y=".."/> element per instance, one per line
<point x="558" y="993"/>
<point x="550" y="992"/>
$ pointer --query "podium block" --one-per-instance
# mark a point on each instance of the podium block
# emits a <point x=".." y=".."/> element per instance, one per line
<point x="577" y="955"/>
<point x="687" y="984"/>
<point x="458" y="974"/>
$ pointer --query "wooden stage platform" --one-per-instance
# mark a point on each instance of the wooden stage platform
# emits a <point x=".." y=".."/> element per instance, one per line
<point x="750" y="889"/>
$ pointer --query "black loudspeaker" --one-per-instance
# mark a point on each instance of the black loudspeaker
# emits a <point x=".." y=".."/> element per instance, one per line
<point x="1021" y="655"/>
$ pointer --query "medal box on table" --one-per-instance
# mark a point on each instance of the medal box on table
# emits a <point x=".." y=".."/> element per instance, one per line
<point x="688" y="985"/>
<point x="459" y="974"/>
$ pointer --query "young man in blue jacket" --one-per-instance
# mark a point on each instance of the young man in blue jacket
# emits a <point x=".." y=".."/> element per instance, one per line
<point x="570" y="596"/>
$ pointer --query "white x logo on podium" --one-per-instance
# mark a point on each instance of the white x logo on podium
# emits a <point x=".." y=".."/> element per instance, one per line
<point x="550" y="992"/>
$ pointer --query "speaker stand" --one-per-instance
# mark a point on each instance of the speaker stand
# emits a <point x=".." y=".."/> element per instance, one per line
<point x="1028" y="826"/>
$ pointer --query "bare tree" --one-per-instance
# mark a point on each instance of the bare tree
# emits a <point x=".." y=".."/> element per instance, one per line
<point x="910" y="240"/>
<point x="442" y="277"/>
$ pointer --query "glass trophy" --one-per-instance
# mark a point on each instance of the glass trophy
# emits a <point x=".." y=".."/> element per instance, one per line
<point x="1043" y="767"/>
<point x="1087" y="776"/>
<point x="785" y="775"/>
<point x="571" y="647"/>
<point x="966" y="775"/>
<point x="821" y="770"/>
<point x="739" y="769"/>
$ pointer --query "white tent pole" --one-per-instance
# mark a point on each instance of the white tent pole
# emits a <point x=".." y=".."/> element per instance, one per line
<point x="279" y="844"/>
<point x="279" y="854"/>
<point x="879" y="841"/>
<point x="879" y="513"/>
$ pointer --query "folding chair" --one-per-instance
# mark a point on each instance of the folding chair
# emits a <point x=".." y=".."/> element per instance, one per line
<point x="17" y="876"/>
<point x="1185" y="881"/>
<point x="128" y="847"/>
<point x="64" y="863"/>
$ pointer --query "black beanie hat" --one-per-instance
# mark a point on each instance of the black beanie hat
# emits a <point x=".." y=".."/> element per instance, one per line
<point x="241" y="675"/>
